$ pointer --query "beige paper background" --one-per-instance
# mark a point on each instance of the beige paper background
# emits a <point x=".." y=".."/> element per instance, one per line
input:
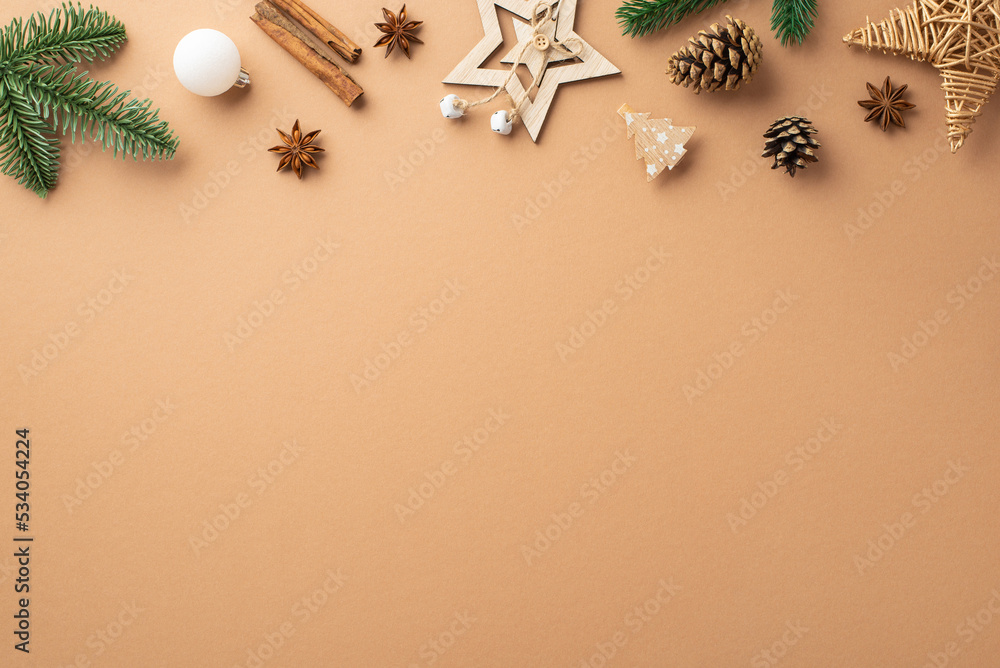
<point x="736" y="234"/>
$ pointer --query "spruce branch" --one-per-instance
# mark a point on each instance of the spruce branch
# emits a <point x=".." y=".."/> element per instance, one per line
<point x="67" y="34"/>
<point x="28" y="151"/>
<point x="85" y="107"/>
<point x="42" y="94"/>
<point x="638" y="18"/>
<point x="791" y="20"/>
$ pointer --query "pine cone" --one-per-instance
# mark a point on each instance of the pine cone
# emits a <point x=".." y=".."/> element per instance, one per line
<point x="720" y="56"/>
<point x="790" y="141"/>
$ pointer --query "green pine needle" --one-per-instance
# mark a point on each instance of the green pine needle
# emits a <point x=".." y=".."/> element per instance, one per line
<point x="642" y="17"/>
<point x="28" y="151"/>
<point x="68" y="34"/>
<point x="41" y="93"/>
<point x="791" y="20"/>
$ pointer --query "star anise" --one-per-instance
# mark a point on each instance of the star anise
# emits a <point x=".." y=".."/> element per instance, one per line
<point x="886" y="105"/>
<point x="397" y="31"/>
<point x="298" y="150"/>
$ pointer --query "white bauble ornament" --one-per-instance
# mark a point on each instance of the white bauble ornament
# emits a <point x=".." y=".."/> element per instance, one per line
<point x="501" y="123"/>
<point x="448" y="108"/>
<point x="208" y="63"/>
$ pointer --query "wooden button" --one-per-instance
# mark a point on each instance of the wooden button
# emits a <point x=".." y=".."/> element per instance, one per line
<point x="541" y="42"/>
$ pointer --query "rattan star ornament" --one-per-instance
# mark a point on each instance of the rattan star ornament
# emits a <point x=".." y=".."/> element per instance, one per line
<point x="546" y="44"/>
<point x="961" y="38"/>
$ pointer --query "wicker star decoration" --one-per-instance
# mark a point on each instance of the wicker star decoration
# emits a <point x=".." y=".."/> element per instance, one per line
<point x="961" y="38"/>
<point x="586" y="64"/>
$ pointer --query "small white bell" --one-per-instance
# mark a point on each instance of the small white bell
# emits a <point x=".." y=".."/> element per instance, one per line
<point x="448" y="108"/>
<point x="501" y="123"/>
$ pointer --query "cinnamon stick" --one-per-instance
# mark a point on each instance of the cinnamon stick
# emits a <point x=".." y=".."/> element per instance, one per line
<point x="321" y="28"/>
<point x="293" y="40"/>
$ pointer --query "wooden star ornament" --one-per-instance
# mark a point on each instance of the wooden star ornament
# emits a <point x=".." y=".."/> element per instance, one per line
<point x="961" y="38"/>
<point x="584" y="62"/>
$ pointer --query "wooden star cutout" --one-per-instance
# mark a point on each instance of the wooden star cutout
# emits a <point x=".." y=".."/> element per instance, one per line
<point x="535" y="60"/>
<point x="961" y="38"/>
<point x="591" y="64"/>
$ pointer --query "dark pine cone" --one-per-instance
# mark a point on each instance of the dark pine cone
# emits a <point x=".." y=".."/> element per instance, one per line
<point x="717" y="58"/>
<point x="791" y="143"/>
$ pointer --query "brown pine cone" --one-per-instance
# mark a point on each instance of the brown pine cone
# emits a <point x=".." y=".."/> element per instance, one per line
<point x="717" y="58"/>
<point x="791" y="143"/>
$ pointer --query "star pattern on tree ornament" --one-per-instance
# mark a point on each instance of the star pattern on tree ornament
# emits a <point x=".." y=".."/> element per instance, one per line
<point x="961" y="38"/>
<point x="586" y="63"/>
